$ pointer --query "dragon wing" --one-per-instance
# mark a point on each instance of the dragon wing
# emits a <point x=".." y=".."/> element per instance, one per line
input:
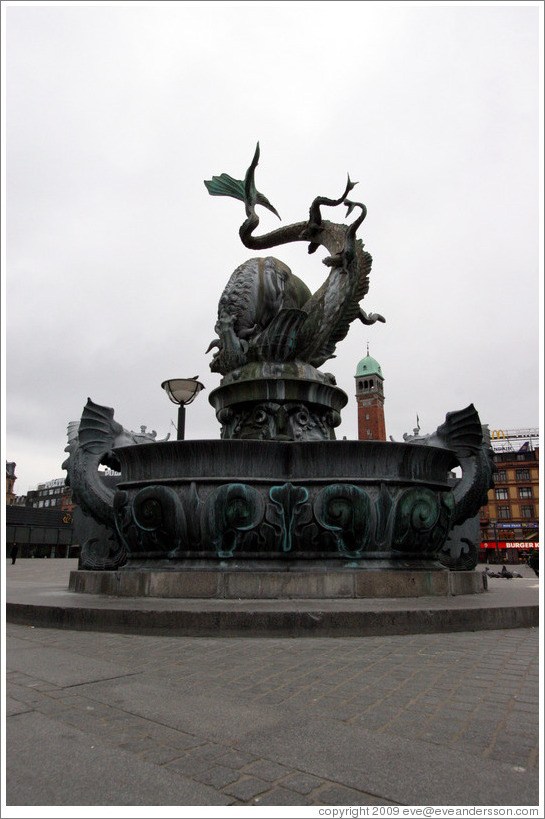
<point x="72" y="435"/>
<point x="97" y="429"/>
<point x="462" y="431"/>
<point x="225" y="185"/>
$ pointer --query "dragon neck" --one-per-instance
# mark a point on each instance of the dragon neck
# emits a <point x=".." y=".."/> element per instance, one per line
<point x="327" y="234"/>
<point x="90" y="491"/>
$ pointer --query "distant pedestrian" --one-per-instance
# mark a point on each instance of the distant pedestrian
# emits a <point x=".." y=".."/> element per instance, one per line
<point x="14" y="552"/>
<point x="533" y="562"/>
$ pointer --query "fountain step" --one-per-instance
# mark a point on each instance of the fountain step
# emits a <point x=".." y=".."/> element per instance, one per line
<point x="307" y="583"/>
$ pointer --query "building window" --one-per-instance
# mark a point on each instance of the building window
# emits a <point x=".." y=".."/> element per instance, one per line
<point x="366" y="416"/>
<point x="523" y="474"/>
<point x="504" y="512"/>
<point x="525" y="492"/>
<point x="500" y="476"/>
<point x="527" y="512"/>
<point x="501" y="494"/>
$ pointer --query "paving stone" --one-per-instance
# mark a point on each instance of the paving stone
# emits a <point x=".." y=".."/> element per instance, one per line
<point x="80" y="720"/>
<point x="302" y="783"/>
<point x="475" y="746"/>
<point x="179" y="740"/>
<point x="29" y="697"/>
<point x="373" y="719"/>
<point x="210" y="751"/>
<point x="48" y="706"/>
<point x="477" y="735"/>
<point x="237" y="759"/>
<point x="339" y="795"/>
<point x="44" y="686"/>
<point x="218" y="776"/>
<point x="188" y="765"/>
<point x="526" y="708"/>
<point x="440" y="733"/>
<point x="280" y="796"/>
<point x="402" y="728"/>
<point x="265" y="769"/>
<point x="512" y="743"/>
<point x="161" y="754"/>
<point x="136" y="746"/>
<point x="246" y="788"/>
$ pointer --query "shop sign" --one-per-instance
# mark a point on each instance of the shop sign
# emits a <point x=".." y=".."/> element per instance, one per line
<point x="502" y="544"/>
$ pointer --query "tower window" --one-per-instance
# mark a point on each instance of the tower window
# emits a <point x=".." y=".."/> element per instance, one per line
<point x="371" y="383"/>
<point x="361" y="385"/>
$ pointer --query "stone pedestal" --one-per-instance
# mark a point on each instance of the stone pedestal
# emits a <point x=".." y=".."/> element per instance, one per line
<point x="278" y="402"/>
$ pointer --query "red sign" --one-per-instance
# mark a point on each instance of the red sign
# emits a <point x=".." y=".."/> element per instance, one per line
<point x="502" y="544"/>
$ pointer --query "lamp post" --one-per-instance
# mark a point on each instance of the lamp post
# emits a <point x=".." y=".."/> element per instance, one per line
<point x="182" y="391"/>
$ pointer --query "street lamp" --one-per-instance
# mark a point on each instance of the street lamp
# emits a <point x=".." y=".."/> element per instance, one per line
<point x="182" y="391"/>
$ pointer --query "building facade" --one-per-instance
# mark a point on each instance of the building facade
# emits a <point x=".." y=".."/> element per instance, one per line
<point x="40" y="522"/>
<point x="50" y="495"/>
<point x="370" y="400"/>
<point x="11" y="477"/>
<point x="510" y="519"/>
<point x="40" y="532"/>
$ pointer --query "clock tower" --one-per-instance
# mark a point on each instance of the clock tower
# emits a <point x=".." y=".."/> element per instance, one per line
<point x="370" y="399"/>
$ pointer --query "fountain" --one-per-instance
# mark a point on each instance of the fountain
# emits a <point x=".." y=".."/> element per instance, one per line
<point x="277" y="506"/>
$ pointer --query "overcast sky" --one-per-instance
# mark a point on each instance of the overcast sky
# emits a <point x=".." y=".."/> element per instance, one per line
<point x="116" y="255"/>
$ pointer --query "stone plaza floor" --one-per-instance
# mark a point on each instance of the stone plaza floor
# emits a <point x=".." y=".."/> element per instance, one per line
<point x="96" y="718"/>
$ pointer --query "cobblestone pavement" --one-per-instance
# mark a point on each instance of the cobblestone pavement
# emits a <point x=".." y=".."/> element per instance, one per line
<point x="263" y="721"/>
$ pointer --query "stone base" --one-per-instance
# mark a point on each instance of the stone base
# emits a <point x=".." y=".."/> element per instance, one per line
<point x="232" y="584"/>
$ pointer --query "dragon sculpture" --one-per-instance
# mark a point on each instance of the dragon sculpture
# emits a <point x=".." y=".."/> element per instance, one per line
<point x="463" y="433"/>
<point x="273" y="334"/>
<point x="266" y="313"/>
<point x="91" y="442"/>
